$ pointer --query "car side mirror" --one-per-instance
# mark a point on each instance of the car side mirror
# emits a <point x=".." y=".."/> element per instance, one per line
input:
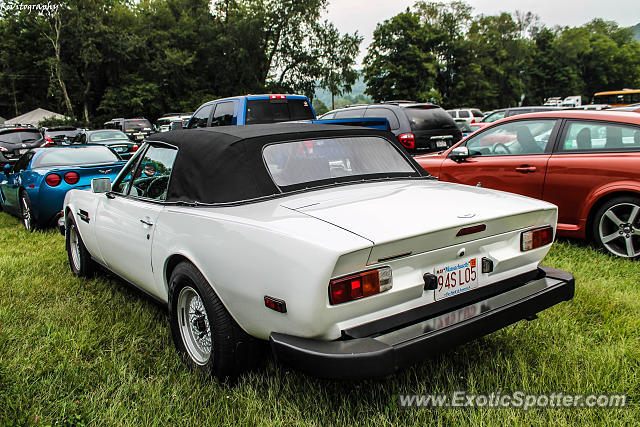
<point x="100" y="185"/>
<point x="459" y="154"/>
<point x="176" y="125"/>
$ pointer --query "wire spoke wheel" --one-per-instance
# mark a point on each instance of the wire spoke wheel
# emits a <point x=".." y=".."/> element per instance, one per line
<point x="194" y="325"/>
<point x="74" y="247"/>
<point x="619" y="229"/>
<point x="26" y="213"/>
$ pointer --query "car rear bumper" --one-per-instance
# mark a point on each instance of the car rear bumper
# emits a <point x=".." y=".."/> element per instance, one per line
<point x="383" y="353"/>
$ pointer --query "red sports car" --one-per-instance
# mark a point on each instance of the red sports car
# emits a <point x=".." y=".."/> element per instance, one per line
<point x="585" y="162"/>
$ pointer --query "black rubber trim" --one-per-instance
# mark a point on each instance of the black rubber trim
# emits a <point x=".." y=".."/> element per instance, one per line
<point x="366" y="357"/>
<point x="418" y="314"/>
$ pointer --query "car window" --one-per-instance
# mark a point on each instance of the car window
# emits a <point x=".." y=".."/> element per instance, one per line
<point x="452" y="113"/>
<point x="65" y="156"/>
<point x="494" y="116"/>
<point x="602" y="137"/>
<point x="328" y="116"/>
<point x="201" y="117"/>
<point x="137" y="124"/>
<point x="223" y="114"/>
<point x="384" y="113"/>
<point x="428" y="118"/>
<point x="107" y="136"/>
<point x="517" y="137"/>
<point x="277" y="109"/>
<point x="293" y="163"/>
<point x="151" y="177"/>
<point x="477" y="113"/>
<point x="21" y="136"/>
<point x="353" y="113"/>
<point x="464" y="114"/>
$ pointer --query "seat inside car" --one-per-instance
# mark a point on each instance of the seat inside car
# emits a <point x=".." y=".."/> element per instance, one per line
<point x="614" y="137"/>
<point x="583" y="139"/>
<point x="526" y="140"/>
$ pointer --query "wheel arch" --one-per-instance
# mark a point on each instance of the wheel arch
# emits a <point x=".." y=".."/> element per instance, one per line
<point x="597" y="204"/>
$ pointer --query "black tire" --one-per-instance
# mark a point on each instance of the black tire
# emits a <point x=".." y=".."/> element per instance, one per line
<point x="80" y="262"/>
<point x="229" y="346"/>
<point x="616" y="227"/>
<point x="26" y="214"/>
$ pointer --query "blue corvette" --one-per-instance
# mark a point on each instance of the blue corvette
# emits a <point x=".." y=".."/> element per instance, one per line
<point x="34" y="187"/>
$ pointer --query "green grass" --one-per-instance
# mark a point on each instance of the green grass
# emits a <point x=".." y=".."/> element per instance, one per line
<point x="76" y="352"/>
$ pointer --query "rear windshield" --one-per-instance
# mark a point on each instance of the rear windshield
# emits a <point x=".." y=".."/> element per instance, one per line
<point x="58" y="133"/>
<point x="20" y="136"/>
<point x="277" y="110"/>
<point x="75" y="156"/>
<point x="429" y="118"/>
<point x="137" y="124"/>
<point x="107" y="136"/>
<point x="343" y="159"/>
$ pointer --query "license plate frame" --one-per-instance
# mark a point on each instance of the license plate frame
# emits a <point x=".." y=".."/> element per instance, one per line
<point x="456" y="278"/>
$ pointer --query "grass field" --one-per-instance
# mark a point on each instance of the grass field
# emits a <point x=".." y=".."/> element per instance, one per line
<point x="87" y="352"/>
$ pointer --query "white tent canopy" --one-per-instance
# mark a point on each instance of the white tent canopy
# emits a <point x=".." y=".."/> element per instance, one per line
<point x="33" y="117"/>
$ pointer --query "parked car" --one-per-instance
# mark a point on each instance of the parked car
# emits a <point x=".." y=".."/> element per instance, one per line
<point x="164" y="123"/>
<point x="420" y="127"/>
<point x="33" y="189"/>
<point x="466" y="128"/>
<point x="265" y="109"/>
<point x="291" y="233"/>
<point x="585" y="162"/>
<point x="510" y="112"/>
<point x="631" y="107"/>
<point x="466" y="115"/>
<point x="61" y="135"/>
<point x="114" y="139"/>
<point x="135" y="129"/>
<point x="15" y="141"/>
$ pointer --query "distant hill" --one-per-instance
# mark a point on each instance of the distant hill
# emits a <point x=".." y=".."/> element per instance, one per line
<point x="636" y="31"/>
<point x="358" y="88"/>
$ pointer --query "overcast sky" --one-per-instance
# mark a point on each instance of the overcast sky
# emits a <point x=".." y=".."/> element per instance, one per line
<point x="363" y="15"/>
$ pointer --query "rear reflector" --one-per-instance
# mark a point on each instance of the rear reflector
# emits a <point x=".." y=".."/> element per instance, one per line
<point x="359" y="285"/>
<point x="53" y="179"/>
<point x="471" y="230"/>
<point x="536" y="238"/>
<point x="71" y="178"/>
<point x="408" y="140"/>
<point x="275" y="304"/>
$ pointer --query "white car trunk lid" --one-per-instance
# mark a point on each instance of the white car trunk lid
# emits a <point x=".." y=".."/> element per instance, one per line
<point x="403" y="218"/>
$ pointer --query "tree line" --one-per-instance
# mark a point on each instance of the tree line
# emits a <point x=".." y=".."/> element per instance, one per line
<point x="98" y="59"/>
<point x="94" y="60"/>
<point x="441" y="52"/>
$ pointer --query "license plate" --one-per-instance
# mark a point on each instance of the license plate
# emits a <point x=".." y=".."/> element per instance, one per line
<point x="456" y="278"/>
<point x="441" y="144"/>
<point x="120" y="149"/>
<point x="139" y="136"/>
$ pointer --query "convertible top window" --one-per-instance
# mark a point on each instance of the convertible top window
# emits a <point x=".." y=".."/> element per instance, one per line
<point x="294" y="163"/>
<point x="75" y="156"/>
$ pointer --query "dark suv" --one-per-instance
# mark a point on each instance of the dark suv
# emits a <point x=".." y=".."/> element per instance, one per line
<point x="14" y="142"/>
<point x="420" y="127"/>
<point x="135" y="129"/>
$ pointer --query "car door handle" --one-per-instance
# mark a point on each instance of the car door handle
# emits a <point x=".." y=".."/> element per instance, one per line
<point x="146" y="222"/>
<point x="526" y="169"/>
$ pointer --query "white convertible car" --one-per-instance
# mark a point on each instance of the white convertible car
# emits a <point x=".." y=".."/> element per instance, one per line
<point x="330" y="242"/>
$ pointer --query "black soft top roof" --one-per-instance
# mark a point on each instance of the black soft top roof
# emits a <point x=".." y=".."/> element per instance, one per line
<point x="225" y="164"/>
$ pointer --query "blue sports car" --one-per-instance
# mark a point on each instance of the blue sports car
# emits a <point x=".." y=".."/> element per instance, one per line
<point x="34" y="187"/>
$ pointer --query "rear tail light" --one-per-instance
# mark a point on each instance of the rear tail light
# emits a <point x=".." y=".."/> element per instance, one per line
<point x="53" y="179"/>
<point x="278" y="97"/>
<point x="360" y="285"/>
<point x="48" y="142"/>
<point x="135" y="147"/>
<point x="473" y="120"/>
<point x="71" y="178"/>
<point x="408" y="140"/>
<point x="536" y="238"/>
